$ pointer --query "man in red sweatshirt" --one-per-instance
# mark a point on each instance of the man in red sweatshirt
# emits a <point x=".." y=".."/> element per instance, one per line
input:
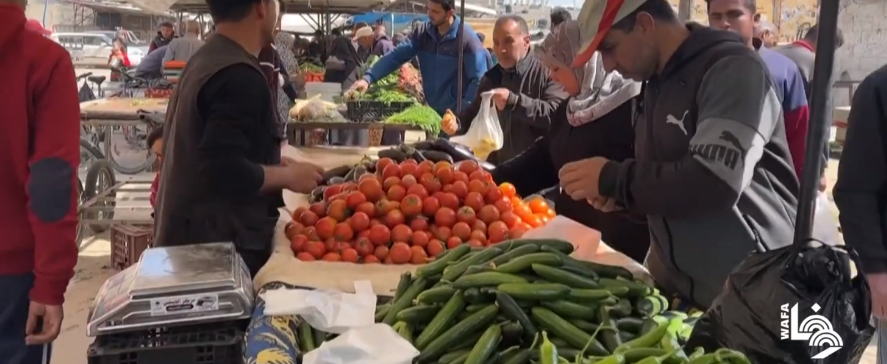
<point x="39" y="157"/>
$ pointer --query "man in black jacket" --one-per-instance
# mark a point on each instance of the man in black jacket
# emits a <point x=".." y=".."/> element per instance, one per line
<point x="163" y="37"/>
<point x="523" y="92"/>
<point x="861" y="190"/>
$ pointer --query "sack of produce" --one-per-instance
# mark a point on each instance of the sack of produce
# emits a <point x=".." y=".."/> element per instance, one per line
<point x="485" y="134"/>
<point x="795" y="305"/>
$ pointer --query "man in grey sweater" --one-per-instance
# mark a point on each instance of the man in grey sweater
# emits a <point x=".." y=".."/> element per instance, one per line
<point x="182" y="48"/>
<point x="803" y="53"/>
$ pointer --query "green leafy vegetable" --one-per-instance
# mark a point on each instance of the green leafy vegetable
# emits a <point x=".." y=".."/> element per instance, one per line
<point x="420" y="116"/>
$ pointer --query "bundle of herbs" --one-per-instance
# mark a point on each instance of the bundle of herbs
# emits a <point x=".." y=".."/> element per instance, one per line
<point x="420" y="116"/>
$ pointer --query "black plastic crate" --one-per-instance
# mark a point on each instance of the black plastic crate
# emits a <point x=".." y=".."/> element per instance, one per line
<point x="373" y="111"/>
<point x="218" y="343"/>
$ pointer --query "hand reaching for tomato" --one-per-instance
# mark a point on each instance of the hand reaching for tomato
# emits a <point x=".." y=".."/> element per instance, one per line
<point x="302" y="177"/>
<point x="449" y="124"/>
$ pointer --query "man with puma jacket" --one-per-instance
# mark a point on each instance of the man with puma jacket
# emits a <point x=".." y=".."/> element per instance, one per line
<point x="712" y="169"/>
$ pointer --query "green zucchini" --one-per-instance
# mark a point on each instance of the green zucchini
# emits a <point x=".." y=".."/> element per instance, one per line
<point x="563" y="277"/>
<point x="486" y="279"/>
<point x="381" y="311"/>
<point x="477" y="295"/>
<point x="468" y="341"/>
<point x="510" y="309"/>
<point x="306" y="337"/>
<point x="580" y="271"/>
<point x="476" y="307"/>
<point x="521" y="357"/>
<point x="588" y="295"/>
<point x="535" y="291"/>
<point x="418" y="314"/>
<point x="512" y="332"/>
<point x="406" y="300"/>
<point x="524" y="262"/>
<point x="583" y="325"/>
<point x="474" y="269"/>
<point x="440" y="294"/>
<point x="439" y="265"/>
<point x="442" y="321"/>
<point x="609" y="333"/>
<point x="621" y="309"/>
<point x="455" y="271"/>
<point x="405" y="330"/>
<point x="445" y="341"/>
<point x="485" y="346"/>
<point x="406" y="279"/>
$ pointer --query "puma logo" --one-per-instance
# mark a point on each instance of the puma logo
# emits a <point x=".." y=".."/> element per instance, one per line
<point x="734" y="141"/>
<point x="670" y="119"/>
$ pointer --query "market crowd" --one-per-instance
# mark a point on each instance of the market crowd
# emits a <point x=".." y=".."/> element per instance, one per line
<point x="683" y="144"/>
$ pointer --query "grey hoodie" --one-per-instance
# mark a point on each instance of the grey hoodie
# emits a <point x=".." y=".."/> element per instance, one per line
<point x="712" y="171"/>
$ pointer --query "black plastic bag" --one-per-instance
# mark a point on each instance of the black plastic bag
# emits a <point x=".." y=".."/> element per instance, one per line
<point x="754" y="312"/>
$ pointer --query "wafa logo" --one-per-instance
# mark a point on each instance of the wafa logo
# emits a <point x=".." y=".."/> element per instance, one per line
<point x="815" y="329"/>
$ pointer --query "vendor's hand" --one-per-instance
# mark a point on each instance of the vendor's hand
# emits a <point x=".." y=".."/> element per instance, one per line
<point x="500" y="98"/>
<point x="359" y="86"/>
<point x="304" y="176"/>
<point x="878" y="287"/>
<point x="579" y="179"/>
<point x="449" y="124"/>
<point x="604" y="204"/>
<point x="44" y="323"/>
<point x="823" y="183"/>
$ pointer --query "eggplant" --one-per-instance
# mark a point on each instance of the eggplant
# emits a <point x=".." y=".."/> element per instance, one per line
<point x="424" y="145"/>
<point x="437" y="156"/>
<point x="458" y="152"/>
<point x="395" y="154"/>
<point x="340" y="172"/>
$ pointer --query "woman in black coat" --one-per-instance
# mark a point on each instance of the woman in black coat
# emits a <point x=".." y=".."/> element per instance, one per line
<point x="596" y="121"/>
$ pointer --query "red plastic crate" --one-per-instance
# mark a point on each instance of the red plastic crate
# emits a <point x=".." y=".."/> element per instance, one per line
<point x="128" y="242"/>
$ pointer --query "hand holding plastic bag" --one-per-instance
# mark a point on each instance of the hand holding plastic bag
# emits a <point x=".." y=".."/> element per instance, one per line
<point x="485" y="134"/>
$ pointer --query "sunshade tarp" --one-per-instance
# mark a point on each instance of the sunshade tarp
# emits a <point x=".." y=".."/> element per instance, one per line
<point x="292" y="6"/>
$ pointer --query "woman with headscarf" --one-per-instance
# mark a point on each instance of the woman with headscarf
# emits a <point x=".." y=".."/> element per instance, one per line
<point x="597" y="120"/>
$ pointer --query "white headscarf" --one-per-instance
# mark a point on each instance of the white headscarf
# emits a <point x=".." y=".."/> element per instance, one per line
<point x="600" y="92"/>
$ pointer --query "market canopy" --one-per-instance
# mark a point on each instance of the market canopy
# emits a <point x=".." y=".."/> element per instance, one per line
<point x="292" y="6"/>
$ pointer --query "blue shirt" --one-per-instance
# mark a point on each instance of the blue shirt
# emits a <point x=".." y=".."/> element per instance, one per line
<point x="152" y="65"/>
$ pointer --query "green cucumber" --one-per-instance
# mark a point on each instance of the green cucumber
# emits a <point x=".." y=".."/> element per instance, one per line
<point x="513" y="311"/>
<point x="406" y="280"/>
<point x="583" y="325"/>
<point x="514" y="253"/>
<point x="523" y="263"/>
<point x="455" y="271"/>
<point x="440" y="294"/>
<point x="630" y="324"/>
<point x="418" y="314"/>
<point x="648" y="325"/>
<point x="521" y="357"/>
<point x="635" y="289"/>
<point x="306" y="337"/>
<point x="448" y="357"/>
<point x="626" y="336"/>
<point x="486" y="279"/>
<point x="511" y="331"/>
<point x="607" y="271"/>
<point x="476" y="307"/>
<point x="535" y="291"/>
<point x="577" y="338"/>
<point x="609" y="334"/>
<point x="569" y="309"/>
<point x="405" y="330"/>
<point x="445" y="341"/>
<point x="648" y="306"/>
<point x="485" y="347"/>
<point x="588" y="295"/>
<point x="381" y="312"/>
<point x="406" y="300"/>
<point x="439" y="265"/>
<point x="442" y="321"/>
<point x="474" y="269"/>
<point x="580" y="271"/>
<point x="563" y="277"/>
<point x="562" y="246"/>
<point x="621" y="309"/>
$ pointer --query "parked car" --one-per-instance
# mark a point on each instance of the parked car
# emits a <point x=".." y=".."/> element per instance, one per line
<point x="96" y="46"/>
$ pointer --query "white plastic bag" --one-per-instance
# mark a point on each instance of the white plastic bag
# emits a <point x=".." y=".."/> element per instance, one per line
<point x="325" y="310"/>
<point x="825" y="227"/>
<point x="485" y="134"/>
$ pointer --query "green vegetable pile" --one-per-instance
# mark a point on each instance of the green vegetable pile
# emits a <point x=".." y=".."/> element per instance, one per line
<point x="310" y="67"/>
<point x="384" y="90"/>
<point x="420" y="116"/>
<point x="527" y="301"/>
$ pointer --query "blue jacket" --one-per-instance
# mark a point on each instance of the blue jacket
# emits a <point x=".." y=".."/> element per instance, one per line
<point x="438" y="56"/>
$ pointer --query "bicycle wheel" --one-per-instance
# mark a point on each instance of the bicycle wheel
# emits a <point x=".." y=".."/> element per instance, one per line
<point x="99" y="178"/>
<point x="89" y="153"/>
<point x="81" y="229"/>
<point x="149" y="161"/>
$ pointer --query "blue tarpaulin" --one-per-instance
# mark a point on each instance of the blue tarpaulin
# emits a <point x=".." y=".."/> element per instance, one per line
<point x="399" y="20"/>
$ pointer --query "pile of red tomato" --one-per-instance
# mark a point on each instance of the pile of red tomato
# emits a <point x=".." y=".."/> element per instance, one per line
<point x="407" y="213"/>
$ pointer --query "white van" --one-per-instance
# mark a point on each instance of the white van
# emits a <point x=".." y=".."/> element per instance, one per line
<point x="95" y="47"/>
